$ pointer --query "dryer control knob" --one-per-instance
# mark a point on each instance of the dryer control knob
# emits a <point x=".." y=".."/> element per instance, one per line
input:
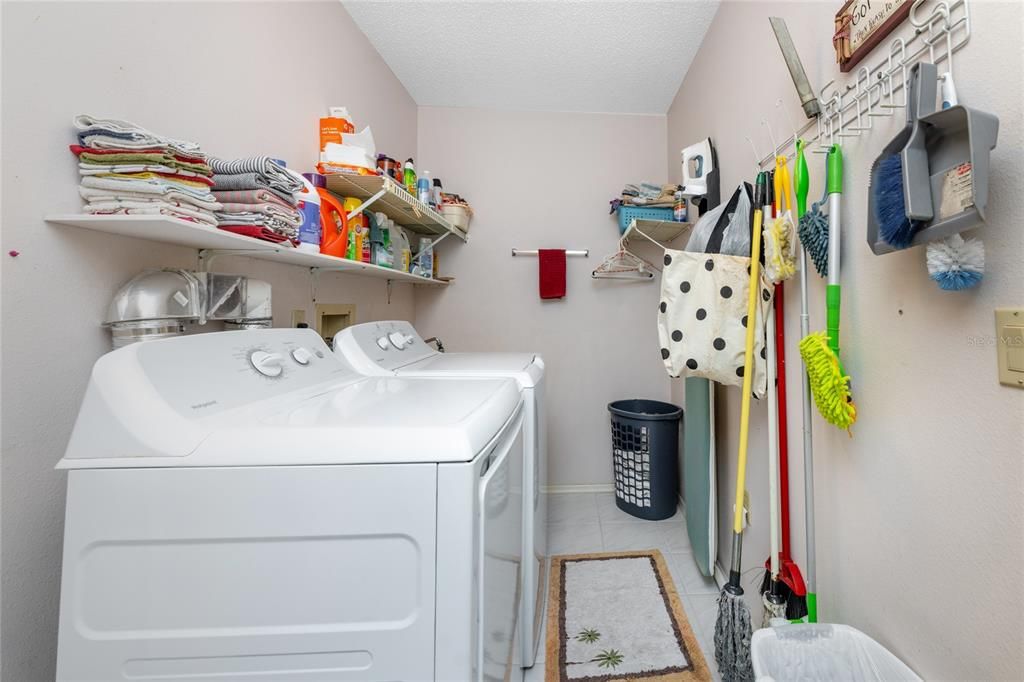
<point x="383" y="343"/>
<point x="302" y="356"/>
<point x="398" y="340"/>
<point x="267" y="364"/>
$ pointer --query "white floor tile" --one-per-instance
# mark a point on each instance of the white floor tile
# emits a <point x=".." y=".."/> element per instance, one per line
<point x="666" y="537"/>
<point x="572" y="508"/>
<point x="610" y="513"/>
<point x="688" y="578"/>
<point x="574" y="538"/>
<point x="702" y="612"/>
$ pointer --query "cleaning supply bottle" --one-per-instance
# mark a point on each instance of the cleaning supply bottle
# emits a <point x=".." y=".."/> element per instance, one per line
<point x="402" y="249"/>
<point x="679" y="207"/>
<point x="335" y="224"/>
<point x="435" y="194"/>
<point x="423" y="188"/>
<point x="354" y="248"/>
<point x="410" y="176"/>
<point x="308" y="203"/>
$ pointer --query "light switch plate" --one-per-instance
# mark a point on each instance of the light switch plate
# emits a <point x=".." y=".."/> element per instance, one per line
<point x="1010" y="346"/>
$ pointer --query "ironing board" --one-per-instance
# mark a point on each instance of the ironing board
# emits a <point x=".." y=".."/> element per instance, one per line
<point x="699" y="472"/>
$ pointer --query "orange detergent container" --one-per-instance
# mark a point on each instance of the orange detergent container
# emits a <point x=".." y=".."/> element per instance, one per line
<point x="335" y="224"/>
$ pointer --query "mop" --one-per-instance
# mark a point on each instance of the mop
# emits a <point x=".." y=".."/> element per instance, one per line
<point x="782" y="588"/>
<point x="733" y="629"/>
<point x="830" y="386"/>
<point x="802" y="186"/>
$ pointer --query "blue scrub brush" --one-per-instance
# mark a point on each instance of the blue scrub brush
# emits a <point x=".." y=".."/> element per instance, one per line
<point x="894" y="225"/>
<point x="956" y="263"/>
<point x="813" y="231"/>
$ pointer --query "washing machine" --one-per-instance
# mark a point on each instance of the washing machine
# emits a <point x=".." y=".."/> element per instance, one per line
<point x="243" y="505"/>
<point x="394" y="348"/>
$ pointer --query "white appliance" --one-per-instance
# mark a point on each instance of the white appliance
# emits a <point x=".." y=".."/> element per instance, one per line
<point x="242" y="505"/>
<point x="393" y="348"/>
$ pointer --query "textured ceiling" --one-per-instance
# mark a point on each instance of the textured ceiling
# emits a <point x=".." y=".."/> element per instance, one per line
<point x="568" y="55"/>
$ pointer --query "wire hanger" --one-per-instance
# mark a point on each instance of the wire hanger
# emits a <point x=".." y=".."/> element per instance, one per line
<point x="623" y="264"/>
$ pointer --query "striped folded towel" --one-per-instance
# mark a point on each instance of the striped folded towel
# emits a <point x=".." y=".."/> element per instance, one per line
<point x="274" y="175"/>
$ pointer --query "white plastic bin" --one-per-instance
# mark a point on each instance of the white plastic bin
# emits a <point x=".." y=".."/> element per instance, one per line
<point x="823" y="652"/>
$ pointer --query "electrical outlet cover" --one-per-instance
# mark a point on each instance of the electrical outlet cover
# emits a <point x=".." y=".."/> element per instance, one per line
<point x="1010" y="346"/>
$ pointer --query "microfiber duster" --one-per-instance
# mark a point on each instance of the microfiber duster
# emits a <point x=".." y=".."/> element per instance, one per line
<point x="813" y="231"/>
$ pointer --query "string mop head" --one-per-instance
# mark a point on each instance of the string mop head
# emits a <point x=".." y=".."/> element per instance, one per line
<point x="829" y="386"/>
<point x="813" y="231"/>
<point x="890" y="206"/>
<point x="732" y="637"/>
<point x="956" y="263"/>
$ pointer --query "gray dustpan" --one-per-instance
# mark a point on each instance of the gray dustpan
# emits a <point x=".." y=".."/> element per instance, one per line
<point x="910" y="144"/>
<point x="959" y="141"/>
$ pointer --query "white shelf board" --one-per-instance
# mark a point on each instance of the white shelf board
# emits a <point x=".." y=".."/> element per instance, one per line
<point x="184" y="233"/>
<point x="396" y="204"/>
<point x="662" y="231"/>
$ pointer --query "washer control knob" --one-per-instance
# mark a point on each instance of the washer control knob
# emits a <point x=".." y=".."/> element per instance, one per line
<point x="267" y="364"/>
<point x="398" y="340"/>
<point x="302" y="356"/>
<point x="383" y="343"/>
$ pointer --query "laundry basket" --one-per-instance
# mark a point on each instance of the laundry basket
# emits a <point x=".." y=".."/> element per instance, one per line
<point x="645" y="445"/>
<point x="824" y="653"/>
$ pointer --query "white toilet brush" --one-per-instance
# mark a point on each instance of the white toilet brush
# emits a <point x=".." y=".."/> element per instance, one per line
<point x="956" y="263"/>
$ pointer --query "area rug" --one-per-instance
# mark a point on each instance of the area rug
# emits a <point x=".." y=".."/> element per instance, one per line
<point x="617" y="616"/>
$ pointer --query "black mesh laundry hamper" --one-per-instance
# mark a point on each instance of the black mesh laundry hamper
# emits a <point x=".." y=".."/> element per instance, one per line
<point x="645" y="445"/>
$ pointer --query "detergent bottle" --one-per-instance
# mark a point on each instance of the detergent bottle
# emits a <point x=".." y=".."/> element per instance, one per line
<point x="308" y="202"/>
<point x="335" y="223"/>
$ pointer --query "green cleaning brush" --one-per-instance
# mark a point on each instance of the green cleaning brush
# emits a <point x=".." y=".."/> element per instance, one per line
<point x="829" y="384"/>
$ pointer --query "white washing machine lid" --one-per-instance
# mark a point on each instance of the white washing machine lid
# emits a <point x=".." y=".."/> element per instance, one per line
<point x="198" y="401"/>
<point x="526" y="368"/>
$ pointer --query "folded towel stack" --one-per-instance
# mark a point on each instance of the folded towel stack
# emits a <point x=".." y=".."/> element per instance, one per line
<point x="257" y="197"/>
<point x="127" y="169"/>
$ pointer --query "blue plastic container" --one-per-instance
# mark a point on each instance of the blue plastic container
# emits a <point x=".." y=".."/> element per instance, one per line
<point x="628" y="214"/>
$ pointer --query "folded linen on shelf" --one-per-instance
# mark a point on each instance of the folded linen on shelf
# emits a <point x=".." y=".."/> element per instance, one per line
<point x="274" y="175"/>
<point x="157" y="185"/>
<point x="111" y="133"/>
<point x="241" y="181"/>
<point x="259" y="233"/>
<point x="286" y="213"/>
<point x="249" y="196"/>
<point x="126" y="168"/>
<point x="171" y="196"/>
<point x="158" y="208"/>
<point x="278" y="225"/>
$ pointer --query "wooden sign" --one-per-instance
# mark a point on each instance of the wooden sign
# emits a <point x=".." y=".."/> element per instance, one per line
<point x="862" y="24"/>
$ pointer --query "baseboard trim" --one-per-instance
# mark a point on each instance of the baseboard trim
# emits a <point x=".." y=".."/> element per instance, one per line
<point x="589" y="488"/>
<point x="720" y="577"/>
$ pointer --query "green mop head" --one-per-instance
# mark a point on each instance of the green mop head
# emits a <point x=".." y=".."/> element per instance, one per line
<point x="830" y="387"/>
<point x="732" y="636"/>
<point x="813" y="231"/>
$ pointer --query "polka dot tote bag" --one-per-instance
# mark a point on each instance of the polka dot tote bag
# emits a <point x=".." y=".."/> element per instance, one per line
<point x="702" y="318"/>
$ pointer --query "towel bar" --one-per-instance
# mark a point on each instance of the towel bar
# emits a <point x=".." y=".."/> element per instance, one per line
<point x="580" y="252"/>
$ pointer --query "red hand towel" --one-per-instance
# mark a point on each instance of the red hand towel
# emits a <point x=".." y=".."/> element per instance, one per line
<point x="552" y="272"/>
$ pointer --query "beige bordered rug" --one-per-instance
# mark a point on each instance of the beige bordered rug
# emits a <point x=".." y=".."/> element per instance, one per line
<point x="617" y="616"/>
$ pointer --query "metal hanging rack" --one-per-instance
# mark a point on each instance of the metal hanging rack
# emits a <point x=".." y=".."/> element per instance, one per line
<point x="847" y="111"/>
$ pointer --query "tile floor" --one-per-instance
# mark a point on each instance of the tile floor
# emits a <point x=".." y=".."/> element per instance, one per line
<point x="590" y="522"/>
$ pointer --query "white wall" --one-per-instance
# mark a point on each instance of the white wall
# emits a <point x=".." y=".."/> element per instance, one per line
<point x="919" y="520"/>
<point x="543" y="180"/>
<point x="240" y="78"/>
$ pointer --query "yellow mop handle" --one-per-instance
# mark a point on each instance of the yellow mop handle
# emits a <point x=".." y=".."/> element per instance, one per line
<point x="748" y="368"/>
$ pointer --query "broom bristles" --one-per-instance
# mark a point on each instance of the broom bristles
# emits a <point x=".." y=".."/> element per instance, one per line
<point x="732" y="638"/>
<point x="890" y="207"/>
<point x="829" y="386"/>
